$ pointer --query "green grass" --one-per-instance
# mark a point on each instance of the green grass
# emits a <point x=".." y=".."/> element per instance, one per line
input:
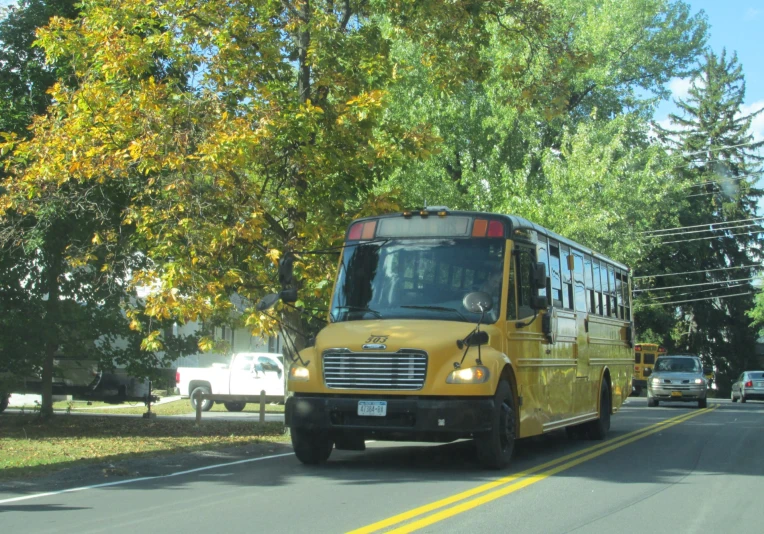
<point x="32" y="446"/>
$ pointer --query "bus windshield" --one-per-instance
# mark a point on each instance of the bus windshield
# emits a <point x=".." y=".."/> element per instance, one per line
<point x="418" y="279"/>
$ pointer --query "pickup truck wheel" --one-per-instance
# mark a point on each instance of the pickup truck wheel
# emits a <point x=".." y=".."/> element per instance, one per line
<point x="234" y="406"/>
<point x="207" y="404"/>
<point x="3" y="402"/>
<point x="495" y="447"/>
<point x="311" y="447"/>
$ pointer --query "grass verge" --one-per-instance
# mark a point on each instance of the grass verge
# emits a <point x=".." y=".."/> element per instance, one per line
<point x="32" y="446"/>
<point x="179" y="407"/>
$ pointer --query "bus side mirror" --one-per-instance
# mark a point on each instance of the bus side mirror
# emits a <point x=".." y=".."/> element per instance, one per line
<point x="647" y="372"/>
<point x="268" y="301"/>
<point x="539" y="275"/>
<point x="539" y="302"/>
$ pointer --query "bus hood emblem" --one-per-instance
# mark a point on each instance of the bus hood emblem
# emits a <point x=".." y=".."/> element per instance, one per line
<point x="374" y="346"/>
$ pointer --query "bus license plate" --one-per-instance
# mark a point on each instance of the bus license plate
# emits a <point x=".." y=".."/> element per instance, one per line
<point x="676" y="393"/>
<point x="372" y="408"/>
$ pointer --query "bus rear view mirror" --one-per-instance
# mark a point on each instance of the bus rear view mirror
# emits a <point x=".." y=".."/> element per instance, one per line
<point x="477" y="302"/>
<point x="539" y="303"/>
<point x="267" y="302"/>
<point x="647" y="372"/>
<point x="288" y="295"/>
<point x="539" y="276"/>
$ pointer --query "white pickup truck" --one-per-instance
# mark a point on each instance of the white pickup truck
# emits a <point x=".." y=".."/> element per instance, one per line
<point x="249" y="373"/>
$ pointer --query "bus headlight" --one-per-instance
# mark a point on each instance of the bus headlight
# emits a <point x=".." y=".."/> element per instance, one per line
<point x="468" y="375"/>
<point x="299" y="374"/>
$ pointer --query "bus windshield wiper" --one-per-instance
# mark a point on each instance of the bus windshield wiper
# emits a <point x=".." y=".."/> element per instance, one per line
<point x="439" y="308"/>
<point x="359" y="309"/>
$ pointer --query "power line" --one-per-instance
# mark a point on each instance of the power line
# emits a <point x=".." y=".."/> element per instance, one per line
<point x="749" y="232"/>
<point x="698" y="292"/>
<point x="696" y="300"/>
<point x="725" y="179"/>
<point x="694" y="285"/>
<point x="727" y="147"/>
<point x="696" y="272"/>
<point x="699" y="225"/>
<point x="701" y="231"/>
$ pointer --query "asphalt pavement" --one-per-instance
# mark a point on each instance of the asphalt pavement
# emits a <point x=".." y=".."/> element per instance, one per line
<point x="672" y="469"/>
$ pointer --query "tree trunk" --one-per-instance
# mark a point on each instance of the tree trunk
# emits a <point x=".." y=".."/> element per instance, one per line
<point x="52" y="308"/>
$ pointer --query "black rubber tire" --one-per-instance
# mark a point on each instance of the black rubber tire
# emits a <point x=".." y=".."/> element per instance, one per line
<point x="742" y="399"/>
<point x="312" y="447"/>
<point x="3" y="402"/>
<point x="652" y="402"/>
<point x="598" y="429"/>
<point x="495" y="448"/>
<point x="234" y="406"/>
<point x="702" y="403"/>
<point x="207" y="404"/>
<point x="732" y="397"/>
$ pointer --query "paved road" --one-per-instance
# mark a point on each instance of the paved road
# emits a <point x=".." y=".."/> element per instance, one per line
<point x="662" y="470"/>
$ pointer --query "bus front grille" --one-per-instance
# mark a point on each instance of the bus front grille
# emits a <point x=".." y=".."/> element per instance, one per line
<point x="403" y="370"/>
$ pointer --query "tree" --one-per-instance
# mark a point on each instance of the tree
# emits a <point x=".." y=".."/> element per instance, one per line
<point x="719" y="236"/>
<point x="578" y="143"/>
<point x="238" y="132"/>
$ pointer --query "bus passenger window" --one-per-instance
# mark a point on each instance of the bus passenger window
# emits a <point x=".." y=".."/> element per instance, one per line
<point x="613" y="309"/>
<point x="541" y="256"/>
<point x="597" y="286"/>
<point x="605" y="290"/>
<point x="619" y="292"/>
<point x="555" y="275"/>
<point x="567" y="283"/>
<point x="590" y="301"/>
<point x="524" y="260"/>
<point x="578" y="281"/>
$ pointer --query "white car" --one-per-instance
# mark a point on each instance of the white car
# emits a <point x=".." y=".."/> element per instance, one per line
<point x="249" y="373"/>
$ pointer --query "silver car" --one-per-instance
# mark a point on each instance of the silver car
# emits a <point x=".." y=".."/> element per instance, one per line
<point x="750" y="385"/>
<point x="677" y="378"/>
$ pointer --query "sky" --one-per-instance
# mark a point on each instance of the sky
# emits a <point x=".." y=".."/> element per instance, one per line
<point x="738" y="26"/>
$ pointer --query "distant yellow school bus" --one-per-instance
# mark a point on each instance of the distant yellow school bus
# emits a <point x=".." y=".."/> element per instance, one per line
<point x="447" y="325"/>
<point x="644" y="360"/>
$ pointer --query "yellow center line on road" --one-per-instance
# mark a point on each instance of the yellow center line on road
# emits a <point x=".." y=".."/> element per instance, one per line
<point x="580" y="456"/>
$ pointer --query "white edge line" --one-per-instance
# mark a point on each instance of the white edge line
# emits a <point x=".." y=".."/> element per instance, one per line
<point x="142" y="479"/>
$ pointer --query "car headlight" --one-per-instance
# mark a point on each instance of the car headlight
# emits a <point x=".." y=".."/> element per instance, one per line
<point x="468" y="375"/>
<point x="299" y="374"/>
<point x="655" y="381"/>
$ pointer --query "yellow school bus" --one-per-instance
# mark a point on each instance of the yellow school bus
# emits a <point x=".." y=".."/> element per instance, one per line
<point x="446" y="325"/>
<point x="644" y="360"/>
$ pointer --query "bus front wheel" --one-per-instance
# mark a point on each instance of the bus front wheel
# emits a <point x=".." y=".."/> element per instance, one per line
<point x="495" y="447"/>
<point x="311" y="447"/>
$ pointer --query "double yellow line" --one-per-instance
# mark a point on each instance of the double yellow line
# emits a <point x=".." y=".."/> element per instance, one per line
<point x="515" y="482"/>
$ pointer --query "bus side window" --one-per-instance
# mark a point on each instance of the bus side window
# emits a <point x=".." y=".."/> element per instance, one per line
<point x="578" y="281"/>
<point x="590" y="303"/>
<point x="597" y="286"/>
<point x="567" y="283"/>
<point x="627" y="295"/>
<point x="613" y="309"/>
<point x="605" y="290"/>
<point x="619" y="291"/>
<point x="555" y="274"/>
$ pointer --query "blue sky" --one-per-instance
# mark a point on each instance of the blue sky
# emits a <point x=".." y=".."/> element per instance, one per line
<point x="737" y="25"/>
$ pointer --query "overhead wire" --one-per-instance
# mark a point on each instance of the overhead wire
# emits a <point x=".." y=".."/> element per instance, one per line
<point x="695" y="300"/>
<point x="698" y="291"/>
<point x="699" y="225"/>
<point x="710" y="237"/>
<point x="696" y="272"/>
<point x="701" y="231"/>
<point x="694" y="285"/>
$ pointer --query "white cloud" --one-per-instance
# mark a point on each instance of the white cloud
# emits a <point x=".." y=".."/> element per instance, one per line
<point x="757" y="125"/>
<point x="680" y="87"/>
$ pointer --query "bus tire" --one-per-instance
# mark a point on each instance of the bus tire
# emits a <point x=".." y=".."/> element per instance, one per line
<point x="495" y="447"/>
<point x="234" y="406"/>
<point x="206" y="404"/>
<point x="598" y="428"/>
<point x="312" y="447"/>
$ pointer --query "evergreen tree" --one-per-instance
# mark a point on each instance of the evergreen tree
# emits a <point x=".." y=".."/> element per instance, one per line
<point x="719" y="236"/>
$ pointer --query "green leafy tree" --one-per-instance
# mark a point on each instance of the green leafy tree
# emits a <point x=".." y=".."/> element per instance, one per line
<point x="720" y="236"/>
<point x="238" y="132"/>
